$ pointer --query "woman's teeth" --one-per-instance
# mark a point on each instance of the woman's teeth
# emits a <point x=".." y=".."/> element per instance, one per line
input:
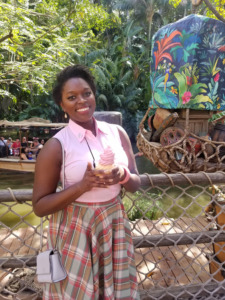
<point x="83" y="109"/>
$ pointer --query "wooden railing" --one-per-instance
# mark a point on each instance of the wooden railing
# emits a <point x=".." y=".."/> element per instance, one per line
<point x="163" y="235"/>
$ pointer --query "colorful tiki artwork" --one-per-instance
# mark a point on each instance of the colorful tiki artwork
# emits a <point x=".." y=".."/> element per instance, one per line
<point x="188" y="65"/>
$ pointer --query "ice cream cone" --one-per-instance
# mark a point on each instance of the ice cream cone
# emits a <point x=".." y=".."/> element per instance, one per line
<point x="106" y="162"/>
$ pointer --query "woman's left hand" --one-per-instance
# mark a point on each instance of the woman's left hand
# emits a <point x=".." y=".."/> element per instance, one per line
<point x="106" y="178"/>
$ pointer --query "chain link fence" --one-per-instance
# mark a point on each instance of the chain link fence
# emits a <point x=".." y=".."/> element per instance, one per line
<point x="177" y="222"/>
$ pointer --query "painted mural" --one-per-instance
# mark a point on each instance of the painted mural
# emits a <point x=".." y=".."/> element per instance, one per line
<point x="188" y="65"/>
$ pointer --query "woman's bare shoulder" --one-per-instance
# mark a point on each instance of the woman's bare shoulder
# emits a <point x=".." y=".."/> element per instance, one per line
<point x="51" y="151"/>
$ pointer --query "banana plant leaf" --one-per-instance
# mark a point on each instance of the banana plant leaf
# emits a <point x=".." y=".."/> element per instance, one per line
<point x="188" y="65"/>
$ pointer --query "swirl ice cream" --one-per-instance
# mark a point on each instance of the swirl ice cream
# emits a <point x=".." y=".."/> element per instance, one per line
<point x="106" y="161"/>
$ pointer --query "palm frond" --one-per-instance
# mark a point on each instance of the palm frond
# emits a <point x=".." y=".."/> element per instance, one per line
<point x="127" y="76"/>
<point x="93" y="56"/>
<point x="125" y="5"/>
<point x="100" y="76"/>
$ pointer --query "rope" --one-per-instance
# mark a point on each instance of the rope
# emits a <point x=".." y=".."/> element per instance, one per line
<point x="188" y="179"/>
<point x="207" y="176"/>
<point x="13" y="196"/>
<point x="170" y="179"/>
<point x="191" y="159"/>
<point x="223" y="173"/>
<point x="146" y="229"/>
<point x="150" y="180"/>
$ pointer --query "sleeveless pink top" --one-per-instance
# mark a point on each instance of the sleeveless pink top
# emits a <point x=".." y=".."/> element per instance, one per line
<point x="77" y="155"/>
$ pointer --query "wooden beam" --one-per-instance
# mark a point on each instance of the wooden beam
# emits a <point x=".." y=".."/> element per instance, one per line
<point x="21" y="196"/>
<point x="201" y="178"/>
<point x="187" y="238"/>
<point x="185" y="292"/>
<point x="112" y="117"/>
<point x="155" y="180"/>
<point x="17" y="165"/>
<point x="18" y="262"/>
<point x="157" y="240"/>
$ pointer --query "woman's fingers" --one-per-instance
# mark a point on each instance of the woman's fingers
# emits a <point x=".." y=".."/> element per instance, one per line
<point x="101" y="178"/>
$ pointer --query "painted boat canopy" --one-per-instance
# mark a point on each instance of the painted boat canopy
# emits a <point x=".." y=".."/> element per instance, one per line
<point x="188" y="65"/>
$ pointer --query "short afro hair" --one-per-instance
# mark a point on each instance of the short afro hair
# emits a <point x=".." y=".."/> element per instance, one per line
<point x="75" y="71"/>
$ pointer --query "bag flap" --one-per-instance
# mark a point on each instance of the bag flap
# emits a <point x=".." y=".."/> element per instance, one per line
<point x="43" y="262"/>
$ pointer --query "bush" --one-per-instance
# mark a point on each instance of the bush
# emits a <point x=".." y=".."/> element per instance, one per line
<point x="143" y="206"/>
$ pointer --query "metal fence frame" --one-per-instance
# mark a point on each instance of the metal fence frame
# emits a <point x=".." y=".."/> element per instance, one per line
<point x="212" y="289"/>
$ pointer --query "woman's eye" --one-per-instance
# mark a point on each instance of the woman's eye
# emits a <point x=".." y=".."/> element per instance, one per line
<point x="87" y="94"/>
<point x="71" y="98"/>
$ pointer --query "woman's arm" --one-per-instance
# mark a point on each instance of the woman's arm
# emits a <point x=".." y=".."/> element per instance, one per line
<point x="134" y="182"/>
<point x="47" y="174"/>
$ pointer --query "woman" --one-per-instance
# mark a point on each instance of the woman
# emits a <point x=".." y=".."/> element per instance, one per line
<point x="16" y="147"/>
<point x="94" y="237"/>
<point x="24" y="144"/>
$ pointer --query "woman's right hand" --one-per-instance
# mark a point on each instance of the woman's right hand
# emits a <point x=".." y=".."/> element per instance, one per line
<point x="93" y="179"/>
<point x="89" y="179"/>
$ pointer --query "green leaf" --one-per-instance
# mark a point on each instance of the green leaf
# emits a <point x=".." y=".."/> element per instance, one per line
<point x="182" y="84"/>
<point x="158" y="81"/>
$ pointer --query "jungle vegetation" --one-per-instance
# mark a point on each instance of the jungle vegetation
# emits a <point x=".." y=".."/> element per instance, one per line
<point x="112" y="37"/>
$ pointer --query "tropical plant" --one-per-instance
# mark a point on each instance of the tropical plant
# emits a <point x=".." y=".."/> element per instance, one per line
<point x="37" y="40"/>
<point x="117" y="87"/>
<point x="122" y="74"/>
<point x="139" y="206"/>
<point x="143" y="12"/>
<point x="44" y="107"/>
<point x="211" y="8"/>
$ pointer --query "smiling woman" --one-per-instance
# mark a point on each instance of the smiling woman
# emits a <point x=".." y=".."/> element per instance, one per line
<point x="78" y="101"/>
<point x="90" y="203"/>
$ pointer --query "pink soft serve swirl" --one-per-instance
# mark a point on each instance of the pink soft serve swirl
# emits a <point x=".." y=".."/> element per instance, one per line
<point x="107" y="157"/>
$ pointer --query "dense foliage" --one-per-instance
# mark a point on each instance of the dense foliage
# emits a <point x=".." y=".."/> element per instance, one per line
<point x="112" y="37"/>
<point x="204" y="7"/>
<point x="36" y="42"/>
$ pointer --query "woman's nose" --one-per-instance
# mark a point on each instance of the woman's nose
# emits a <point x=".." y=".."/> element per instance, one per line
<point x="81" y="99"/>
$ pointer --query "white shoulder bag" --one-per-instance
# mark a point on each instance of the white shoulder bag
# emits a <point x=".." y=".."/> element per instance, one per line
<point x="49" y="263"/>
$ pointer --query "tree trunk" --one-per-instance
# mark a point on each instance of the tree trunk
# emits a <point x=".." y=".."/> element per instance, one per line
<point x="212" y="8"/>
<point x="150" y="13"/>
<point x="196" y="2"/>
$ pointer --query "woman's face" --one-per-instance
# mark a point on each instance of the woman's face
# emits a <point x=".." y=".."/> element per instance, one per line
<point x="78" y="100"/>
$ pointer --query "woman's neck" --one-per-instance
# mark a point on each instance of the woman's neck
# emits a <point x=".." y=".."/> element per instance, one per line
<point x="90" y="125"/>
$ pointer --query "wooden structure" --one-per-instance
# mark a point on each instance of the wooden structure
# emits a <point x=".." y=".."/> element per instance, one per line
<point x="198" y="121"/>
<point x="185" y="153"/>
<point x="179" y="84"/>
<point x="16" y="164"/>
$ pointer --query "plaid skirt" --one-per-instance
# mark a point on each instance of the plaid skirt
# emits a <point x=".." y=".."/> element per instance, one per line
<point x="97" y="252"/>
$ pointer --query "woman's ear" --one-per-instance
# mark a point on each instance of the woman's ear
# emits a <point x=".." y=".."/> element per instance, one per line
<point x="61" y="106"/>
<point x="65" y="113"/>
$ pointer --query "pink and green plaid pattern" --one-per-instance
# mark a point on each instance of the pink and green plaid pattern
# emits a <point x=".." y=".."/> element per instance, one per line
<point x="97" y="251"/>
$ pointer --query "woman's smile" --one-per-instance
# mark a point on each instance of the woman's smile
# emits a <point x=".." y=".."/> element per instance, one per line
<point x="83" y="110"/>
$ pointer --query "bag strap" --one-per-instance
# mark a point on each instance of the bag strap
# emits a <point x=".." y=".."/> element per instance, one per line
<point x="63" y="187"/>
